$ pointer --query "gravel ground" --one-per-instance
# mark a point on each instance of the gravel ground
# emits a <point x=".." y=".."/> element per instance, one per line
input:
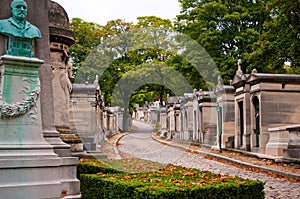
<point x="139" y="144"/>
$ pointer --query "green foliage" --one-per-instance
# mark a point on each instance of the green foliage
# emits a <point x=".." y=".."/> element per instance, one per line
<point x="94" y="166"/>
<point x="225" y="29"/>
<point x="122" y="47"/>
<point x="167" y="182"/>
<point x="280" y="40"/>
<point x="90" y="39"/>
<point x="88" y="36"/>
<point x="153" y="21"/>
<point x="264" y="34"/>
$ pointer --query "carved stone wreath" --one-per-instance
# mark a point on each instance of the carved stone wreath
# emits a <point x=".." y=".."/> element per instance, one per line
<point x="20" y="108"/>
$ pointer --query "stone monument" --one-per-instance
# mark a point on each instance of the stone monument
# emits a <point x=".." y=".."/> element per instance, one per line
<point x="61" y="38"/>
<point x="29" y="166"/>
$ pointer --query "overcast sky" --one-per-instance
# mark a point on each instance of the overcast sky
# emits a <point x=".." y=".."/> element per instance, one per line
<point x="101" y="11"/>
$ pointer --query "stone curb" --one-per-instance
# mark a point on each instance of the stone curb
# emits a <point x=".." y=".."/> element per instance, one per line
<point x="229" y="160"/>
<point x="117" y="153"/>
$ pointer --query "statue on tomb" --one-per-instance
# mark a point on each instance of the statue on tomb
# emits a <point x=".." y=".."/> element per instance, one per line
<point x="18" y="31"/>
<point x="62" y="87"/>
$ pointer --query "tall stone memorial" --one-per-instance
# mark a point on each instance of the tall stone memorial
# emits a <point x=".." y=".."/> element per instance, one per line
<point x="61" y="38"/>
<point x="29" y="166"/>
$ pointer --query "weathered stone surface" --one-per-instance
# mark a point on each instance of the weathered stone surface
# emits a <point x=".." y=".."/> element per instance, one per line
<point x="265" y="102"/>
<point x="39" y="187"/>
<point x="89" y="120"/>
<point x="226" y="123"/>
<point x="61" y="37"/>
<point x="23" y="149"/>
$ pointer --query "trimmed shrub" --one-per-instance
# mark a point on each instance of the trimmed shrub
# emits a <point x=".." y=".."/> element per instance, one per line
<point x="169" y="182"/>
<point x="94" y="167"/>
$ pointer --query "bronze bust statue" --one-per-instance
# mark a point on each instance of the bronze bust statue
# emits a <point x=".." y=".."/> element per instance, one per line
<point x="18" y="31"/>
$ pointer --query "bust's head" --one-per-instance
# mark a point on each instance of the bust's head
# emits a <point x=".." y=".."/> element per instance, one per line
<point x="19" y="10"/>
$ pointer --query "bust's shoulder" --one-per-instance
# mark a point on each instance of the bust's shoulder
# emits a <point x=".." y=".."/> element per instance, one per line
<point x="9" y="27"/>
<point x="4" y="22"/>
<point x="5" y="26"/>
<point x="32" y="31"/>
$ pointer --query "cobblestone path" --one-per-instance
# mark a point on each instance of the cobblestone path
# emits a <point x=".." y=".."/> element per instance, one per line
<point x="139" y="144"/>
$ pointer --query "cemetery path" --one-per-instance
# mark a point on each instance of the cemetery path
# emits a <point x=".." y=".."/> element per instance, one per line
<point x="139" y="144"/>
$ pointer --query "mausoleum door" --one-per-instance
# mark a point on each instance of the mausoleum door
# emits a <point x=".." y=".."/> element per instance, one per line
<point x="219" y="112"/>
<point x="257" y="120"/>
<point x="241" y="118"/>
<point x="195" y="126"/>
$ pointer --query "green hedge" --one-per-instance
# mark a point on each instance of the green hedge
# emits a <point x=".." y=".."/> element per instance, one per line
<point x="170" y="182"/>
<point x="94" y="167"/>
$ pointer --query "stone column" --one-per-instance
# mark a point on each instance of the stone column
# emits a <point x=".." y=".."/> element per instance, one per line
<point x="69" y="181"/>
<point x="163" y="118"/>
<point x="61" y="38"/>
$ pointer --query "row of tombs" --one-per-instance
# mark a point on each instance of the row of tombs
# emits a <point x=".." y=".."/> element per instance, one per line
<point x="257" y="113"/>
<point x="90" y="119"/>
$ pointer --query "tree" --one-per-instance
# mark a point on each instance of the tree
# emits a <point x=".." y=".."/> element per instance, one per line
<point x="88" y="36"/>
<point x="280" y="40"/>
<point x="123" y="46"/>
<point x="226" y="29"/>
<point x="137" y="80"/>
<point x="120" y="48"/>
<point x="91" y="37"/>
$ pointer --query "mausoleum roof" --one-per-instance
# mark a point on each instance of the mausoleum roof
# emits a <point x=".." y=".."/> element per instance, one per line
<point x="89" y="89"/>
<point x="267" y="77"/>
<point x="174" y="100"/>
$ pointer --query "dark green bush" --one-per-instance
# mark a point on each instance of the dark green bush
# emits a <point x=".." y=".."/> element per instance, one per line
<point x="94" y="167"/>
<point x="170" y="182"/>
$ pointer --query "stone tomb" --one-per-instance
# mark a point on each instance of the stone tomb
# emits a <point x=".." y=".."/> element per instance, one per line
<point x="208" y="117"/>
<point x="242" y="110"/>
<point x="84" y="116"/>
<point x="190" y="117"/>
<point x="225" y="113"/>
<point x="275" y="104"/>
<point x="61" y="38"/>
<point x="267" y="110"/>
<point x="174" y="118"/>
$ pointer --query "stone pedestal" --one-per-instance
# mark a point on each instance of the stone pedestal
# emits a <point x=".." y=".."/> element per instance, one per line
<point x="60" y="148"/>
<point x="70" y="138"/>
<point x="69" y="183"/>
<point x="29" y="168"/>
<point x="278" y="141"/>
<point x="293" y="149"/>
<point x="210" y="134"/>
